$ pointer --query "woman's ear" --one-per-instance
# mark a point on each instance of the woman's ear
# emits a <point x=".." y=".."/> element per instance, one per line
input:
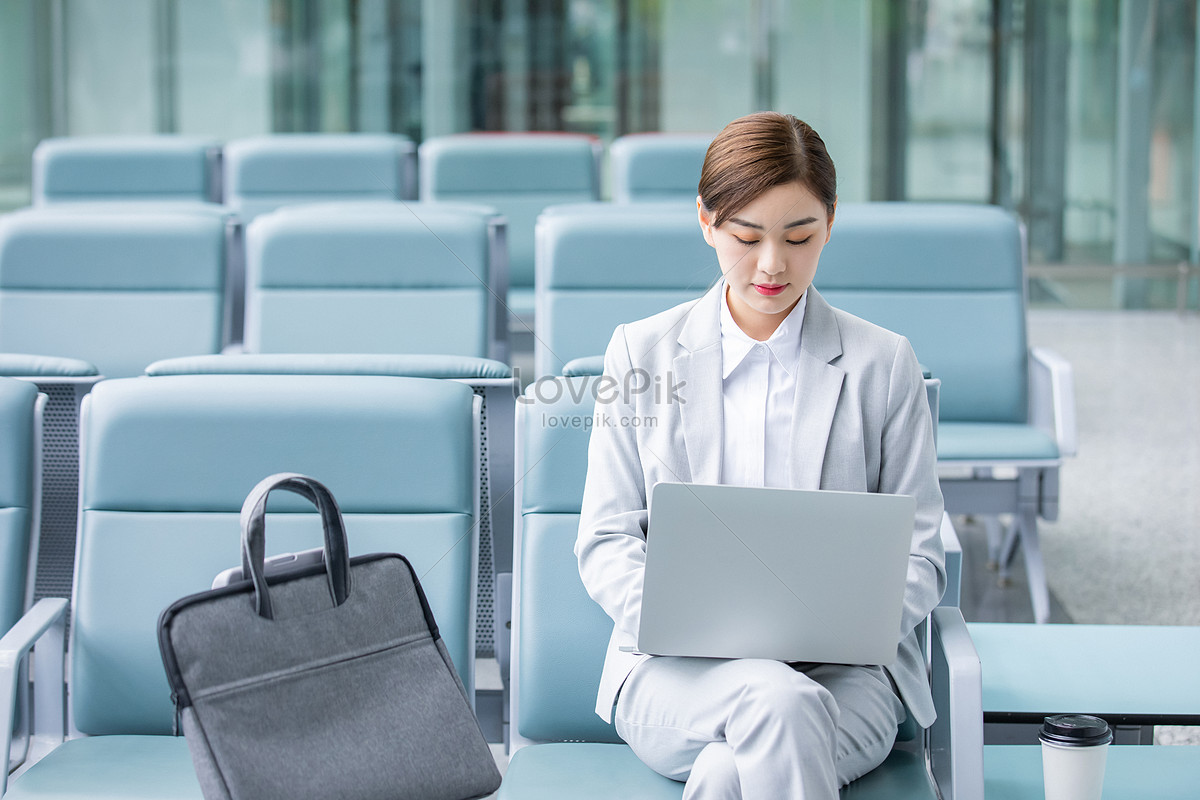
<point x="829" y="224"/>
<point x="705" y="221"/>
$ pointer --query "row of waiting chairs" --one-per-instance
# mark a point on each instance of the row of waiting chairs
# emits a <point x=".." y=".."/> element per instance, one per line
<point x="123" y="286"/>
<point x="518" y="174"/>
<point x="139" y="509"/>
<point x="264" y="172"/>
<point x="65" y="382"/>
<point x="164" y="463"/>
<point x="322" y="278"/>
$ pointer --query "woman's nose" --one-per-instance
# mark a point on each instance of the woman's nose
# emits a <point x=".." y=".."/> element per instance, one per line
<point x="770" y="259"/>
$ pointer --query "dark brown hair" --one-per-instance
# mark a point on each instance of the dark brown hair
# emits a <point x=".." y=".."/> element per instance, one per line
<point x="757" y="152"/>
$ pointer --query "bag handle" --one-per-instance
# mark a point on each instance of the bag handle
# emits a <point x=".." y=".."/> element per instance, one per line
<point x="254" y="532"/>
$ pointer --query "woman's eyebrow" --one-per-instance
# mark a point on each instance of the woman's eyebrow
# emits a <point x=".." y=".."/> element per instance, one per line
<point x="795" y="224"/>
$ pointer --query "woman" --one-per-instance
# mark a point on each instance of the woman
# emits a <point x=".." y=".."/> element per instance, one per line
<point x="772" y="387"/>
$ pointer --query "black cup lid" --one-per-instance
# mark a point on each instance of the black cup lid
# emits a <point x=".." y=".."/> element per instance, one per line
<point x="1075" y="730"/>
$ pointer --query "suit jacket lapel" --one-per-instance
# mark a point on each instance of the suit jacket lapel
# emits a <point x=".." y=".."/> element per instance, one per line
<point x="818" y="386"/>
<point x="699" y="368"/>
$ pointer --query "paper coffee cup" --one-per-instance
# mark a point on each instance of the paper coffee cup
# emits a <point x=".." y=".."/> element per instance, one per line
<point x="1074" y="752"/>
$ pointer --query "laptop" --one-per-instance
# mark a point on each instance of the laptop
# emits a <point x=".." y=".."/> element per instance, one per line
<point x="784" y="574"/>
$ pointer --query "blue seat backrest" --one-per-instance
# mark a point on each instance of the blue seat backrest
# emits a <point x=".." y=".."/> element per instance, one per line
<point x="118" y="290"/>
<point x="603" y="264"/>
<point x="263" y="173"/>
<point x="412" y="279"/>
<point x="657" y="166"/>
<point x="167" y="463"/>
<point x="18" y="401"/>
<point x="492" y="381"/>
<point x="517" y="173"/>
<point x="159" y="168"/>
<point x="950" y="278"/>
<point x="561" y="632"/>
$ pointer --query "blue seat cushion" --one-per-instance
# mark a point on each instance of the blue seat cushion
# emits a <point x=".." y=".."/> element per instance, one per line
<point x="116" y="767"/>
<point x="583" y="771"/>
<point x="986" y="441"/>
<point x="1014" y="772"/>
<point x="587" y="771"/>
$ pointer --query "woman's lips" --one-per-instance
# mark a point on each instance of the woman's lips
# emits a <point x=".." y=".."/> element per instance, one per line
<point x="769" y="290"/>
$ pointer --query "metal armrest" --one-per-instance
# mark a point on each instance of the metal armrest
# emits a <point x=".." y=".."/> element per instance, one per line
<point x="954" y="555"/>
<point x="43" y="625"/>
<point x="1052" y="398"/>
<point x="955" y="740"/>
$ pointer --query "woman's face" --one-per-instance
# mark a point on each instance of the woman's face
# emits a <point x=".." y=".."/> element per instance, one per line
<point x="768" y="251"/>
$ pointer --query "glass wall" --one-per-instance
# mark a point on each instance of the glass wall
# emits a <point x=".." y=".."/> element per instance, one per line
<point x="1078" y="114"/>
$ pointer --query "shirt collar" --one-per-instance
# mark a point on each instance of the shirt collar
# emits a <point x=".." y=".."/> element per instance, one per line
<point x="783" y="344"/>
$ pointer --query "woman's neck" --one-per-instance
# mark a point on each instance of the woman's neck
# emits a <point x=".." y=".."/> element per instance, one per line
<point x="755" y="324"/>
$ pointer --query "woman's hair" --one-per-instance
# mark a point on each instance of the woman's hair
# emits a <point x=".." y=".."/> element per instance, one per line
<point x="757" y="152"/>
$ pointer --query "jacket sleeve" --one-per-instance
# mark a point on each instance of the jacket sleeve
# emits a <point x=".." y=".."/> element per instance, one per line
<point x="908" y="465"/>
<point x="611" y="544"/>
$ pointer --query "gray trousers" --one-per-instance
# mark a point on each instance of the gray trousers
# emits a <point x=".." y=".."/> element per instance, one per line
<point x="753" y="729"/>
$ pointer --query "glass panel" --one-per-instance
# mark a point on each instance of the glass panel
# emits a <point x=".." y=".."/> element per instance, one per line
<point x="20" y="126"/>
<point x="820" y="71"/>
<point x="591" y="68"/>
<point x="111" y="66"/>
<point x="708" y="57"/>
<point x="223" y="68"/>
<point x="1091" y="131"/>
<point x="334" y="68"/>
<point x="949" y="96"/>
<point x="1171" y="205"/>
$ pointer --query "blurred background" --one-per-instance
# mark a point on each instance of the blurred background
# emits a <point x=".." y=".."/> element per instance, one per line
<point x="1080" y="115"/>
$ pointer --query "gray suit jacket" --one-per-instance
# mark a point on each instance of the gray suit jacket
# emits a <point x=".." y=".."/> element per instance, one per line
<point x="861" y="423"/>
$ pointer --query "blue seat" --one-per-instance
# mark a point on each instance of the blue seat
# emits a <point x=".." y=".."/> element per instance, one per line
<point x="376" y="278"/>
<point x="118" y="289"/>
<point x="561" y="748"/>
<point x="162" y="168"/>
<point x="63" y="382"/>
<point x="231" y="326"/>
<point x="952" y="279"/>
<point x="496" y="388"/>
<point x="20" y="420"/>
<point x="603" y="264"/>
<point x="519" y="174"/>
<point x="263" y="173"/>
<point x="657" y="166"/>
<point x="167" y="462"/>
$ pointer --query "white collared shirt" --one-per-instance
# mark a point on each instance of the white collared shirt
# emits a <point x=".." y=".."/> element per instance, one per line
<point x="759" y="392"/>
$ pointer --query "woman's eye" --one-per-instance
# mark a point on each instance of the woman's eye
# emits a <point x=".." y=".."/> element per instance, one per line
<point x="747" y="242"/>
<point x="806" y="240"/>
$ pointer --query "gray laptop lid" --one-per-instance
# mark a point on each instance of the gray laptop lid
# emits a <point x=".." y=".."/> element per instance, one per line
<point x="785" y="574"/>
